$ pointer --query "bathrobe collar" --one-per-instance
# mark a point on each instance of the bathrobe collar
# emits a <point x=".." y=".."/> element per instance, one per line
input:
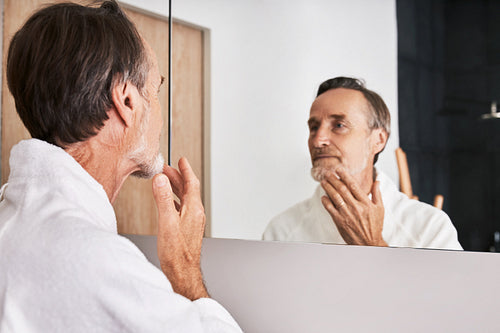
<point x="37" y="163"/>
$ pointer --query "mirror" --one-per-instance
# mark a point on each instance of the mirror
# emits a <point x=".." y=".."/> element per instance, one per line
<point x="267" y="60"/>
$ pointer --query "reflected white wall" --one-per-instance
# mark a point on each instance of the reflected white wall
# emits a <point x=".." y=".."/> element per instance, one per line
<point x="268" y="58"/>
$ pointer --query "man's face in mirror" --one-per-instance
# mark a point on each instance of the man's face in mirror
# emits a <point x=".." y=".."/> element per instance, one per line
<point x="339" y="134"/>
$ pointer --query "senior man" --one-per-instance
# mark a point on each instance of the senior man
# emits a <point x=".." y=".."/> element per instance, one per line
<point x="356" y="204"/>
<point x="86" y="87"/>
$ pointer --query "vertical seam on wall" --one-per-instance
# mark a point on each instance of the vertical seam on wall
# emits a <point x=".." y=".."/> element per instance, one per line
<point x="206" y="153"/>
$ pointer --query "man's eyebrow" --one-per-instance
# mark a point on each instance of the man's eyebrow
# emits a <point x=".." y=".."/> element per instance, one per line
<point x="337" y="116"/>
<point x="331" y="116"/>
<point x="312" y="121"/>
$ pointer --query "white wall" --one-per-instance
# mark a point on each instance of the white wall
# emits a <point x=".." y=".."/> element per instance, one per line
<point x="268" y="58"/>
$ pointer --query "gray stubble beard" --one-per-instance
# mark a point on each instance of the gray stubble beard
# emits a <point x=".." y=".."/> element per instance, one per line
<point x="149" y="169"/>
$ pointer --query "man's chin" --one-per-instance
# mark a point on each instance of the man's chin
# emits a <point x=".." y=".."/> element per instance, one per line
<point x="319" y="173"/>
<point x="148" y="170"/>
<point x="323" y="167"/>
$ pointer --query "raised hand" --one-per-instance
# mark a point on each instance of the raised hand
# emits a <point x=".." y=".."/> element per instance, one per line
<point x="180" y="228"/>
<point x="359" y="220"/>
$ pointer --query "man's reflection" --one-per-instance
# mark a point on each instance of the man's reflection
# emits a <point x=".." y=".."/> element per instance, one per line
<point x="355" y="204"/>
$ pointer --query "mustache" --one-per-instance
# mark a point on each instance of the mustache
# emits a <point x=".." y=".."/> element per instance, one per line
<point x="315" y="152"/>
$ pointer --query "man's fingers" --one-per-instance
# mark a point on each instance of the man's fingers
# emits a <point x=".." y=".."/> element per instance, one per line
<point x="338" y="192"/>
<point x="175" y="180"/>
<point x="341" y="223"/>
<point x="191" y="183"/>
<point x="164" y="197"/>
<point x="187" y="172"/>
<point x="335" y="198"/>
<point x="351" y="184"/>
<point x="330" y="207"/>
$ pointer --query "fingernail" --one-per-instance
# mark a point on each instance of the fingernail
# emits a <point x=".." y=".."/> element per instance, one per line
<point x="161" y="181"/>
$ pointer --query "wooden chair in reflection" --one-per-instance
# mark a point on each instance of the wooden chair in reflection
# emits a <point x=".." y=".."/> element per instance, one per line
<point x="405" y="181"/>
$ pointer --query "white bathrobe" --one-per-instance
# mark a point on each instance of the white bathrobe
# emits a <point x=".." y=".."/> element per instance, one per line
<point x="407" y="223"/>
<point x="64" y="268"/>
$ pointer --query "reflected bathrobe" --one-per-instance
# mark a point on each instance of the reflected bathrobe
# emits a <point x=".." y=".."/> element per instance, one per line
<point x="64" y="268"/>
<point x="407" y="222"/>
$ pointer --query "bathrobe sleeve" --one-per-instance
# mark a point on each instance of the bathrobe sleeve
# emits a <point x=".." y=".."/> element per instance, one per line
<point x="114" y="288"/>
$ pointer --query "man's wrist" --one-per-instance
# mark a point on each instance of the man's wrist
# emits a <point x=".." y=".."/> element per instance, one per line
<point x="187" y="282"/>
<point x="193" y="290"/>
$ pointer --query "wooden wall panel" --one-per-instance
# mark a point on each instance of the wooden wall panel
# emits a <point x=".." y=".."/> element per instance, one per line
<point x="187" y="104"/>
<point x="13" y="130"/>
<point x="135" y="208"/>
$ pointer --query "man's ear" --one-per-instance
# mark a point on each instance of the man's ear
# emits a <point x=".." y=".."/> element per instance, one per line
<point x="126" y="99"/>
<point x="379" y="137"/>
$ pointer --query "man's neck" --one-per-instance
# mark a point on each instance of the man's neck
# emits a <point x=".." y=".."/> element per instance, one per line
<point x="104" y="163"/>
<point x="366" y="178"/>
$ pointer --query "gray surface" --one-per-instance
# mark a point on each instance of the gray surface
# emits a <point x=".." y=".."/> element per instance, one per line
<point x="293" y="287"/>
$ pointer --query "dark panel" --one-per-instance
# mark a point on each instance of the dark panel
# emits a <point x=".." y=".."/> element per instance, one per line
<point x="442" y="184"/>
<point x="490" y="130"/>
<point x="467" y="86"/>
<point x="407" y="28"/>
<point x="426" y="109"/>
<point x="441" y="122"/>
<point x="438" y="32"/>
<point x="470" y="200"/>
<point x="493" y="32"/>
<point x="493" y="143"/>
<point x="414" y="158"/>
<point x="465" y="34"/>
<point x="427" y="177"/>
<point x="445" y="88"/>
<point x="493" y="82"/>
<point x="496" y="191"/>
<point x="425" y="49"/>
<point x="407" y="100"/>
<point x="468" y="134"/>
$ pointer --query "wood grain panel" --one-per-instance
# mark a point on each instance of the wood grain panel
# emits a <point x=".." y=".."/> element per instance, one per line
<point x="134" y="207"/>
<point x="187" y="104"/>
<point x="13" y="130"/>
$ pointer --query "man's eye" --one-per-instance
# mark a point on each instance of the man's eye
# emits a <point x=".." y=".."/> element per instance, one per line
<point x="339" y="126"/>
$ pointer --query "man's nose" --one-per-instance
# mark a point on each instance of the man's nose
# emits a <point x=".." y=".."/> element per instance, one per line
<point x="322" y="137"/>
